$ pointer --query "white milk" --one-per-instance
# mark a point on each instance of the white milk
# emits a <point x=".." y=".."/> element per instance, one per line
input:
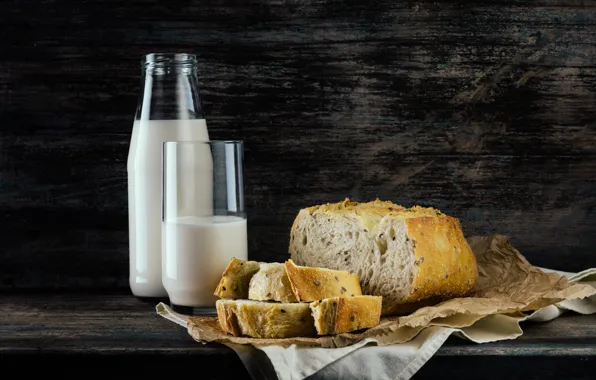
<point x="144" y="197"/>
<point x="196" y="251"/>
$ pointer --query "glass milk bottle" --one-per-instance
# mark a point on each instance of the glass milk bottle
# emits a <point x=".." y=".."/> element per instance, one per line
<point x="169" y="109"/>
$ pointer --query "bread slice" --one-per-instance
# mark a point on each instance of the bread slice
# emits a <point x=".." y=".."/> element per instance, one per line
<point x="345" y="314"/>
<point x="265" y="319"/>
<point x="271" y="283"/>
<point x="405" y="255"/>
<point x="313" y="284"/>
<point x="235" y="279"/>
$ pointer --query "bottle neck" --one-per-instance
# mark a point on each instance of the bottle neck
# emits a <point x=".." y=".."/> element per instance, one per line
<point x="169" y="88"/>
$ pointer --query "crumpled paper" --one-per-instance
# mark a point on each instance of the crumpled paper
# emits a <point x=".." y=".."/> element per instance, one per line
<point x="507" y="285"/>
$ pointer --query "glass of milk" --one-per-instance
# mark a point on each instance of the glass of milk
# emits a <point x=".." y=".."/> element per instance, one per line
<point x="203" y="220"/>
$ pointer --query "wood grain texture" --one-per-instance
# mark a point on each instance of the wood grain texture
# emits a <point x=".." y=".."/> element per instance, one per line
<point x="97" y="332"/>
<point x="486" y="111"/>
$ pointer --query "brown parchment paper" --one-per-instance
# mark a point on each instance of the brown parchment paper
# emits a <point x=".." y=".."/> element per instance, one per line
<point x="507" y="284"/>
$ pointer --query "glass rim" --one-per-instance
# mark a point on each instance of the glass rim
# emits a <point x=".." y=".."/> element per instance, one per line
<point x="208" y="142"/>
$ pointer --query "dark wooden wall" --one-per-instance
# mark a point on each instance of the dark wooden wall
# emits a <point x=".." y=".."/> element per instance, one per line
<point x="485" y="111"/>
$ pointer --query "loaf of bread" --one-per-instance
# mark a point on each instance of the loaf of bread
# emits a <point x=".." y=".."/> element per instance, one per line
<point x="406" y="255"/>
<point x="259" y="319"/>
<point x="271" y="283"/>
<point x="235" y="279"/>
<point x="345" y="314"/>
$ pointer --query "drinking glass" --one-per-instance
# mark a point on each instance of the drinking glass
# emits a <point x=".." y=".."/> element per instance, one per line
<point x="203" y="220"/>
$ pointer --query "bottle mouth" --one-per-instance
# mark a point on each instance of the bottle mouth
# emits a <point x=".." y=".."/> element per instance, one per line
<point x="169" y="59"/>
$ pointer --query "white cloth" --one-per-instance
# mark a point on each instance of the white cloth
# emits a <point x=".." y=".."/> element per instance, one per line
<point x="366" y="360"/>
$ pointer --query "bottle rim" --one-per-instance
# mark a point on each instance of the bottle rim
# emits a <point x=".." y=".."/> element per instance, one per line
<point x="168" y="59"/>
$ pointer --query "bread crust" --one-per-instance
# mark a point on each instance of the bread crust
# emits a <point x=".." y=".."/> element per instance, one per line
<point x="259" y="319"/>
<point x="312" y="284"/>
<point x="445" y="264"/>
<point x="236" y="278"/>
<point x="227" y="319"/>
<point x="345" y="314"/>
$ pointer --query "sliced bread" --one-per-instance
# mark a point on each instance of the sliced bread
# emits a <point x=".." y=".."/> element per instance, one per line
<point x="271" y="283"/>
<point x="345" y="314"/>
<point x="235" y="279"/>
<point x="405" y="255"/>
<point x="313" y="284"/>
<point x="265" y="319"/>
<point x="334" y="315"/>
<point x="284" y="282"/>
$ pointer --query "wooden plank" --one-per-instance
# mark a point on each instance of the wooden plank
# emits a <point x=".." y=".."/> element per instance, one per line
<point x="496" y="368"/>
<point x="544" y="204"/>
<point x="212" y="367"/>
<point x="420" y="76"/>
<point x="63" y="323"/>
<point x="98" y="333"/>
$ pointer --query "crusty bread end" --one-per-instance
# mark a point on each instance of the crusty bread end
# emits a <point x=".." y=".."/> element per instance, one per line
<point x="236" y="278"/>
<point x="345" y="314"/>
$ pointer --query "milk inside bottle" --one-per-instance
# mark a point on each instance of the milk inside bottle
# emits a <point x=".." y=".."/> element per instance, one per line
<point x="169" y="109"/>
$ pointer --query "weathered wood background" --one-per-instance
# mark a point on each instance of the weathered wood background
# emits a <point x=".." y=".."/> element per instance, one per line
<point x="485" y="111"/>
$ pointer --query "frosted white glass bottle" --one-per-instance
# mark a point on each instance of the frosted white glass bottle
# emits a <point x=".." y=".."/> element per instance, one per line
<point x="169" y="109"/>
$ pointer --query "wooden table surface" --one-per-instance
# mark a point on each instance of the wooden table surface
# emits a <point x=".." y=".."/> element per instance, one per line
<point x="100" y="333"/>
